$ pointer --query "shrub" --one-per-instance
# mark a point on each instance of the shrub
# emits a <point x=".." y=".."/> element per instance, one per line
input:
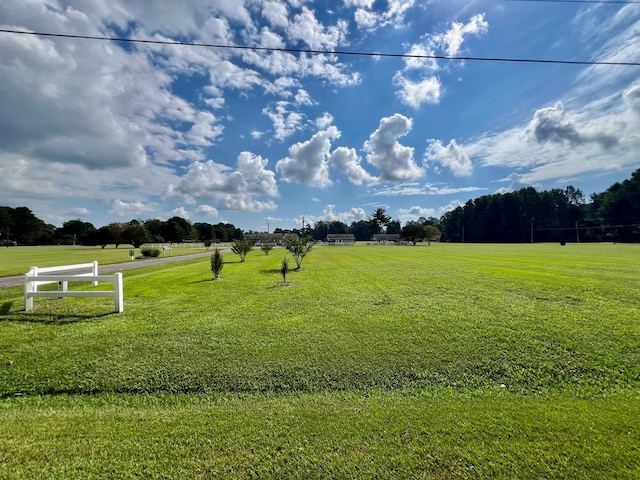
<point x="148" y="252"/>
<point x="241" y="247"/>
<point x="299" y="247"/>
<point x="266" y="248"/>
<point x="217" y="262"/>
<point x="284" y="269"/>
<point x="207" y="243"/>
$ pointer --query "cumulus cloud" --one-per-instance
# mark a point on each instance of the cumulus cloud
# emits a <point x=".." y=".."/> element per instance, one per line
<point x="452" y="157"/>
<point x="133" y="209"/>
<point x="324" y="121"/>
<point x="276" y="13"/>
<point x="414" y="213"/>
<point x="180" y="212"/>
<point x="308" y="162"/>
<point x="415" y="94"/>
<point x="394" y="160"/>
<point x="416" y="83"/>
<point x="369" y="19"/>
<point x="305" y="27"/>
<point x="207" y="210"/>
<point x="451" y="41"/>
<point x="285" y="120"/>
<point x="230" y="189"/>
<point x="347" y="161"/>
<point x="329" y="214"/>
<point x="551" y="124"/>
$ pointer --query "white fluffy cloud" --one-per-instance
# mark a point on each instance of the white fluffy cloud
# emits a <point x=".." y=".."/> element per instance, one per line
<point x="451" y="156"/>
<point x="451" y="41"/>
<point x="308" y="162"/>
<point x="394" y="160"/>
<point x="286" y="121"/>
<point x="329" y="214"/>
<point x="415" y="94"/>
<point x="369" y="19"/>
<point x="135" y="209"/>
<point x="347" y="161"/>
<point x="414" y="213"/>
<point x="230" y="189"/>
<point x="207" y="210"/>
<point x="416" y="83"/>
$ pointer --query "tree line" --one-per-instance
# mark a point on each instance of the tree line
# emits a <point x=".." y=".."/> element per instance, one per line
<point x="563" y="215"/>
<point x="21" y="226"/>
<point x="525" y="215"/>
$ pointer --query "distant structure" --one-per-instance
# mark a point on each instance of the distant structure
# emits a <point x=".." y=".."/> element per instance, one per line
<point x="386" y="238"/>
<point x="260" y="239"/>
<point x="341" y="239"/>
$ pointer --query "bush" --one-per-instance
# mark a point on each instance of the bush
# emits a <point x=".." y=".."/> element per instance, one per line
<point x="148" y="252"/>
<point x="217" y="263"/>
<point x="284" y="269"/>
<point x="299" y="247"/>
<point x="241" y="247"/>
<point x="266" y="248"/>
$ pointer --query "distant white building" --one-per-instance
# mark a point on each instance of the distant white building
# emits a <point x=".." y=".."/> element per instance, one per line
<point x="341" y="239"/>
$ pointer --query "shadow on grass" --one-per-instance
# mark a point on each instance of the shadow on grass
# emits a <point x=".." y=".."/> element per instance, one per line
<point x="46" y="317"/>
<point x="5" y="308"/>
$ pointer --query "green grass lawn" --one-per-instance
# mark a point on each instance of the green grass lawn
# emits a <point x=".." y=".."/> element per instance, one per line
<point x="449" y="361"/>
<point x="18" y="260"/>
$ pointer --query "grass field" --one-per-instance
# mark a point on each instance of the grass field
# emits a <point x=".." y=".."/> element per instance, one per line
<point x="18" y="260"/>
<point x="449" y="361"/>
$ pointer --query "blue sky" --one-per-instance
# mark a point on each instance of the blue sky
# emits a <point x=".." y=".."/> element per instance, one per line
<point x="108" y="132"/>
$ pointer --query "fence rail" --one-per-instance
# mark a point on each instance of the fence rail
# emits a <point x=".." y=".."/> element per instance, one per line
<point x="34" y="278"/>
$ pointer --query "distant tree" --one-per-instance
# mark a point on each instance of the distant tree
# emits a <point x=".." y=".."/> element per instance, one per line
<point x="116" y="233"/>
<point x="320" y="230"/>
<point x="217" y="262"/>
<point x="432" y="234"/>
<point x="394" y="226"/>
<point x="413" y="232"/>
<point x="361" y="230"/>
<point x="242" y="248"/>
<point x="156" y="229"/>
<point x="266" y="248"/>
<point x="74" y="231"/>
<point x="135" y="233"/>
<point x="337" y="227"/>
<point x="379" y="219"/>
<point x="298" y="246"/>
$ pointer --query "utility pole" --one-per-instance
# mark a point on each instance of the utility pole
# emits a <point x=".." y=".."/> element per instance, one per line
<point x="577" y="233"/>
<point x="532" y="219"/>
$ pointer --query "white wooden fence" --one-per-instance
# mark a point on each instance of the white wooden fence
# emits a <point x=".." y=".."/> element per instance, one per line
<point x="47" y="275"/>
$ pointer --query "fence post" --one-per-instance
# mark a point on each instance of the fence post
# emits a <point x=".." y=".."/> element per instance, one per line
<point x="117" y="287"/>
<point x="28" y="288"/>
<point x="94" y="272"/>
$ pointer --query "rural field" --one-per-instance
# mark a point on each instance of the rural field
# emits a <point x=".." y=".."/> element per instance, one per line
<point x="18" y="260"/>
<point x="441" y="361"/>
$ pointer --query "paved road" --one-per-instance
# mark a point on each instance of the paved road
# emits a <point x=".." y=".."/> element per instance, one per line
<point x="118" y="267"/>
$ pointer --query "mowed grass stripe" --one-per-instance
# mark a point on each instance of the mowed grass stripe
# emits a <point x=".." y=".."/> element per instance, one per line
<point x="332" y="435"/>
<point x="447" y="316"/>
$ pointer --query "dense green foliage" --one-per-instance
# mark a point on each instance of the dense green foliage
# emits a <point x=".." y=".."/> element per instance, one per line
<point x="463" y="361"/>
<point x="242" y="248"/>
<point x="217" y="262"/>
<point x="150" y="252"/>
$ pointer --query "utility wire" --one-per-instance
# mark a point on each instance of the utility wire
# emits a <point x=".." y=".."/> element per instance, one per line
<point x="322" y="52"/>
<point x="599" y="2"/>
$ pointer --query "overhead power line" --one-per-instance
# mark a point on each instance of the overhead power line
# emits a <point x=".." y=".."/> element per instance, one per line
<point x="321" y="52"/>
<point x="599" y="2"/>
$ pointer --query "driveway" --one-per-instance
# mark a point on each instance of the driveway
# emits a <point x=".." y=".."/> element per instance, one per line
<point x="118" y="267"/>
